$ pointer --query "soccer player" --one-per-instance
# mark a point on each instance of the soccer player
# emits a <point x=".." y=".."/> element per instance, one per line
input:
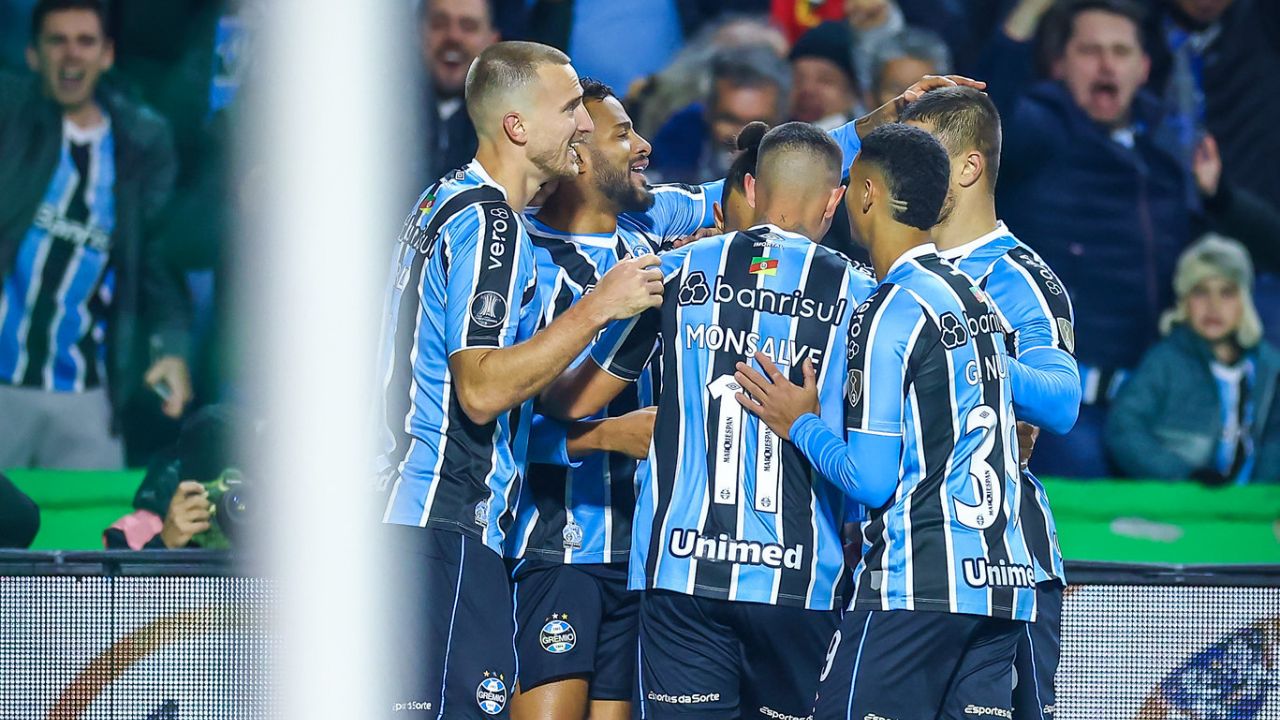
<point x="945" y="577"/>
<point x="460" y="363"/>
<point x="736" y="544"/>
<point x="575" y="621"/>
<point x="1034" y="304"/>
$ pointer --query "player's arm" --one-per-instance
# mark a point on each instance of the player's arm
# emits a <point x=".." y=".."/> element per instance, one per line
<point x="849" y="136"/>
<point x="491" y="373"/>
<point x="617" y="360"/>
<point x="680" y="210"/>
<point x="1044" y="376"/>
<point x="553" y="442"/>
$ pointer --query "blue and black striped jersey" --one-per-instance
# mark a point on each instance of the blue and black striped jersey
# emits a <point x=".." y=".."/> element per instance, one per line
<point x="581" y="513"/>
<point x="464" y="278"/>
<point x="927" y="361"/>
<point x="54" y="297"/>
<point x="1035" y="306"/>
<point x="725" y="509"/>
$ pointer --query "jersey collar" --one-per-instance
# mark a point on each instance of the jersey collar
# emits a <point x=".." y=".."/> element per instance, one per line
<point x="966" y="249"/>
<point x="778" y="231"/>
<point x="602" y="240"/>
<point x="475" y="167"/>
<point x="912" y="254"/>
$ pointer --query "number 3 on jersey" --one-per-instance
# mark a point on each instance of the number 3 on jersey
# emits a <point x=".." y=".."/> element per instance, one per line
<point x="988" y="483"/>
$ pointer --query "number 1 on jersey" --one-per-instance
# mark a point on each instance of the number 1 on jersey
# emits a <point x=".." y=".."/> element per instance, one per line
<point x="728" y="441"/>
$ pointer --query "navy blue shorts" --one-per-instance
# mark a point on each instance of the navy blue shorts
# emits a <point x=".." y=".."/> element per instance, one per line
<point x="450" y="627"/>
<point x="1037" y="661"/>
<point x="707" y="658"/>
<point x="907" y="665"/>
<point x="576" y="621"/>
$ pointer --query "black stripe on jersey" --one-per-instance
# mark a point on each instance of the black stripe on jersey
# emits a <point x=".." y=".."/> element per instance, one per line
<point x="1054" y="293"/>
<point x="1035" y="526"/>
<point x="467" y="459"/>
<point x="859" y="353"/>
<point x="496" y="251"/>
<point x="714" y="577"/>
<point x="422" y="243"/>
<point x="40" y="330"/>
<point x="667" y="427"/>
<point x="826" y="283"/>
<point x="581" y="271"/>
<point x="88" y="346"/>
<point x="931" y="379"/>
<point x="989" y="347"/>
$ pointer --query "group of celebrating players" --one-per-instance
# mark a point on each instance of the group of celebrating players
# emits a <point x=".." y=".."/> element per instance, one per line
<point x="564" y="550"/>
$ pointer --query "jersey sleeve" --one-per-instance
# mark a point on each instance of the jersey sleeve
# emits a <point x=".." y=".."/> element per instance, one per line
<point x="625" y="347"/>
<point x="879" y="335"/>
<point x="680" y="210"/>
<point x="1034" y="302"/>
<point x="846" y="136"/>
<point x="483" y="291"/>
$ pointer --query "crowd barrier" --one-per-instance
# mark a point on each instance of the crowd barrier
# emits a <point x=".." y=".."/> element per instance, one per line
<point x="162" y="635"/>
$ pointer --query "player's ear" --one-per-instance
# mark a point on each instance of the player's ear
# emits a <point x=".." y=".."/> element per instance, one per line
<point x="718" y="213"/>
<point x="513" y="125"/>
<point x="868" y="195"/>
<point x="833" y="202"/>
<point x="749" y="186"/>
<point x="972" y="170"/>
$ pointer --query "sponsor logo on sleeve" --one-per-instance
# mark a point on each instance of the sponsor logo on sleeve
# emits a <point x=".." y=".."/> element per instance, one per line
<point x="488" y="309"/>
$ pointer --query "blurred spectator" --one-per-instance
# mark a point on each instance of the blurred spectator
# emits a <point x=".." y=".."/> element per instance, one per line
<point x="1090" y="181"/>
<point x="797" y="17"/>
<point x="1203" y="402"/>
<point x="903" y="59"/>
<point x="15" y="16"/>
<point x="593" y="33"/>
<point x="825" y="88"/>
<point x="172" y="505"/>
<point x="687" y="79"/>
<point x="452" y="34"/>
<point x="697" y="144"/>
<point x="1215" y="63"/>
<point x="19" y="516"/>
<point x="88" y="300"/>
<point x="872" y="22"/>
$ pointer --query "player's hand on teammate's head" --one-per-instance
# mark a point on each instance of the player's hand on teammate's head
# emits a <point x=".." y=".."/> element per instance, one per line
<point x="933" y="82"/>
<point x="629" y="288"/>
<point x="772" y="397"/>
<point x="1027" y="434"/>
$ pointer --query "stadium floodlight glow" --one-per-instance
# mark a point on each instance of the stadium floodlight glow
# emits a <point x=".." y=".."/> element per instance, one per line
<point x="321" y="208"/>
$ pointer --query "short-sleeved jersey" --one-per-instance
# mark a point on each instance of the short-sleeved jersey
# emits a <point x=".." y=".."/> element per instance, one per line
<point x="582" y="514"/>
<point x="1035" y="307"/>
<point x="927" y="361"/>
<point x="464" y="278"/>
<point x="725" y="509"/>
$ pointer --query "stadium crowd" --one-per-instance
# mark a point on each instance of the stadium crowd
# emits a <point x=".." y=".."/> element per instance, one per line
<point x="1130" y="130"/>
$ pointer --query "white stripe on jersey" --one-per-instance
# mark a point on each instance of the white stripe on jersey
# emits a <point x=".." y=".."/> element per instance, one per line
<point x="871" y="340"/>
<point x="60" y="302"/>
<point x="33" y="291"/>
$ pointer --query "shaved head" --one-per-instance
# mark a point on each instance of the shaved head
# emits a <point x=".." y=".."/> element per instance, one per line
<point x="798" y="155"/>
<point x="500" y="77"/>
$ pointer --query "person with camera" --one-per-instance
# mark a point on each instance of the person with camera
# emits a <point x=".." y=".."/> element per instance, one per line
<point x="190" y="496"/>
